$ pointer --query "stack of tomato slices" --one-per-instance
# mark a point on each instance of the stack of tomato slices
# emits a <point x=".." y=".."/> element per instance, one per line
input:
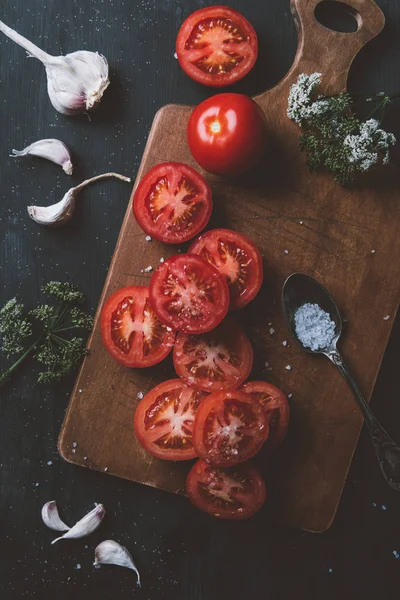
<point x="209" y="412"/>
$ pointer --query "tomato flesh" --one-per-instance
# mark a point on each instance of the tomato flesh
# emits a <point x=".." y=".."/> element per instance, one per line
<point x="234" y="493"/>
<point x="226" y="134"/>
<point x="131" y="331"/>
<point x="216" y="46"/>
<point x="230" y="427"/>
<point x="189" y="294"/>
<point x="217" y="360"/>
<point x="235" y="257"/>
<point x="172" y="203"/>
<point x="164" y="420"/>
<point x="276" y="407"/>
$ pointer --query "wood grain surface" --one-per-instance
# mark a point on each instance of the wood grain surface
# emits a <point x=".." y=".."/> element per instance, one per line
<point x="300" y="222"/>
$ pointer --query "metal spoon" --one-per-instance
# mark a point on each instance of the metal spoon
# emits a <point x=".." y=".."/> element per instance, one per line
<point x="300" y="289"/>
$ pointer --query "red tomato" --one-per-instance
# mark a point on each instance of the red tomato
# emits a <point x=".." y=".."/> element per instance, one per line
<point x="229" y="428"/>
<point x="236" y="257"/>
<point x="189" y="294"/>
<point x="235" y="493"/>
<point x="276" y="407"/>
<point x="131" y="331"/>
<point x="216" y="46"/>
<point x="164" y="420"/>
<point x="226" y="134"/>
<point x="172" y="203"/>
<point x="218" y="360"/>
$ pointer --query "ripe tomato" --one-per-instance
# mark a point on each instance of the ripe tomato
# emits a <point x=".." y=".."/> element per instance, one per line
<point x="164" y="420"/>
<point x="172" y="203"/>
<point x="229" y="428"/>
<point x="236" y="257"/>
<point x="226" y="134"/>
<point x="131" y="331"/>
<point x="235" y="493"/>
<point x="216" y="46"/>
<point x="276" y="407"/>
<point x="218" y="360"/>
<point x="189" y="294"/>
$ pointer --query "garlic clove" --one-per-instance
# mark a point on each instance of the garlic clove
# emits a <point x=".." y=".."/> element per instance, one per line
<point x="51" y="517"/>
<point x="61" y="212"/>
<point x="50" y="149"/>
<point x="112" y="553"/>
<point x="86" y="525"/>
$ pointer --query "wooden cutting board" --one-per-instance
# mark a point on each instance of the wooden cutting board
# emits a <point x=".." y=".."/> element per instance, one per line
<point x="301" y="222"/>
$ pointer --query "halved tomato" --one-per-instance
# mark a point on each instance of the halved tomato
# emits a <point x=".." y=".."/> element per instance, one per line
<point x="189" y="294"/>
<point x="234" y="493"/>
<point x="172" y="203"/>
<point x="164" y="420"/>
<point x="229" y="428"/>
<point x="218" y="360"/>
<point x="237" y="258"/>
<point x="131" y="331"/>
<point x="216" y="46"/>
<point x="276" y="407"/>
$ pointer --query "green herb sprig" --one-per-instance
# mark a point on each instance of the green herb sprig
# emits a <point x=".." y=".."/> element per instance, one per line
<point x="333" y="138"/>
<point x="51" y="327"/>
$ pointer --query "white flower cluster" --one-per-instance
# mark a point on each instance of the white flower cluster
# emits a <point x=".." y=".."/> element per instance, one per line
<point x="364" y="148"/>
<point x="300" y="102"/>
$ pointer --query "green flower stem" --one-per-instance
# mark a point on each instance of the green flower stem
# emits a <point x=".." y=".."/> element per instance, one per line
<point x="4" y="376"/>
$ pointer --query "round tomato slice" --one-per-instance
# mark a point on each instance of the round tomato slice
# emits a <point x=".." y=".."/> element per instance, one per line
<point x="172" y="203"/>
<point x="216" y="46"/>
<point x="237" y="258"/>
<point x="234" y="493"/>
<point x="131" y="331"/>
<point x="218" y="360"/>
<point x="276" y="407"/>
<point x="164" y="420"/>
<point x="229" y="428"/>
<point x="189" y="294"/>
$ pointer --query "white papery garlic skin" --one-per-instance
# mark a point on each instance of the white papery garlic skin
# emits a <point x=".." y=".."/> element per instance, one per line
<point x="112" y="553"/>
<point x="51" y="518"/>
<point x="50" y="149"/>
<point x="85" y="526"/>
<point x="61" y="212"/>
<point x="75" y="82"/>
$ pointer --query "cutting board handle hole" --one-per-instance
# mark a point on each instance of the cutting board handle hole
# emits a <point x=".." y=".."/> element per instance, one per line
<point x="338" y="16"/>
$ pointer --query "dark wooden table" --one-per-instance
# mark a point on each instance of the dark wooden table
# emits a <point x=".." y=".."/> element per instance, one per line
<point x="181" y="553"/>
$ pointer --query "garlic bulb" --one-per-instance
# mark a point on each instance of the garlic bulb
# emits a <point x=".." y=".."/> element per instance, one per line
<point x="112" y="553"/>
<point x="50" y="149"/>
<point x="61" y="212"/>
<point x="75" y="82"/>
<point x="86" y="525"/>
<point x="51" y="518"/>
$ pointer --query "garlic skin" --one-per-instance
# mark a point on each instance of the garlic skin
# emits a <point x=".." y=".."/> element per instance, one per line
<point x="112" y="553"/>
<point x="50" y="149"/>
<point x="76" y="82"/>
<point x="51" y="517"/>
<point x="61" y="212"/>
<point x="86" y="525"/>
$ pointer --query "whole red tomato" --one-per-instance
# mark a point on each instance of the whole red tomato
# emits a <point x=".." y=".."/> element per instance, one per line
<point x="226" y="134"/>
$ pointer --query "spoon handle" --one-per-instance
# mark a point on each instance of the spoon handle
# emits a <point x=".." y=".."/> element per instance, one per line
<point x="386" y="450"/>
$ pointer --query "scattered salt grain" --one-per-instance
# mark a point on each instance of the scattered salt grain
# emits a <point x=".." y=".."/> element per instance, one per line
<point x="286" y="251"/>
<point x="373" y="251"/>
<point x="374" y="504"/>
<point x="272" y="331"/>
<point x="85" y="458"/>
<point x="139" y="395"/>
<point x="330" y="571"/>
<point x="384" y="507"/>
<point x="106" y="469"/>
<point x="288" y="367"/>
<point x="284" y="343"/>
<point x="301" y="222"/>
<point x="148" y="269"/>
<point x="290" y="395"/>
<point x="80" y="391"/>
<point x="73" y="451"/>
<point x="162" y="259"/>
<point x="314" y="327"/>
<point x="386" y="318"/>
<point x="78" y="566"/>
<point x="175" y="55"/>
<point x="49" y="462"/>
<point x="74" y="444"/>
<point x="148" y="238"/>
<point x="396" y="554"/>
<point x="266" y="364"/>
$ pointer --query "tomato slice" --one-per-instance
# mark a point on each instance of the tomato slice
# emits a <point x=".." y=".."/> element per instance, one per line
<point x="189" y="294"/>
<point x="164" y="420"/>
<point x="229" y="428"/>
<point x="217" y="46"/>
<point x="131" y="331"/>
<point x="237" y="258"/>
<point x="218" y="360"/>
<point x="234" y="493"/>
<point x="172" y="203"/>
<point x="276" y="407"/>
